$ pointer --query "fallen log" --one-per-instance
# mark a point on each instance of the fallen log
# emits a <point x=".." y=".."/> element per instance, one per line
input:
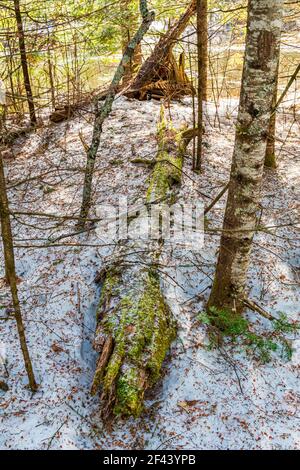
<point x="135" y="326"/>
<point x="134" y="333"/>
<point x="62" y="113"/>
<point x="66" y="111"/>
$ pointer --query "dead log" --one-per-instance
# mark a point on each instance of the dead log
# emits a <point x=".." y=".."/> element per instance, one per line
<point x="66" y="111"/>
<point x="135" y="326"/>
<point x="171" y="82"/>
<point x="159" y="66"/>
<point x="134" y="333"/>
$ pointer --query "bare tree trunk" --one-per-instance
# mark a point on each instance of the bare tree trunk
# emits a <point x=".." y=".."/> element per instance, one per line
<point x="270" y="157"/>
<point x="10" y="272"/>
<point x="103" y="111"/>
<point x="202" y="41"/>
<point x="24" y="63"/>
<point x="50" y="71"/>
<point x="257" y="92"/>
<point x="129" y="18"/>
<point x="161" y="53"/>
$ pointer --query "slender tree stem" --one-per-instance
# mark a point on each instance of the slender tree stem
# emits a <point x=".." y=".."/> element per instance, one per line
<point x="10" y="272"/>
<point x="102" y="112"/>
<point x="202" y="73"/>
<point x="24" y="63"/>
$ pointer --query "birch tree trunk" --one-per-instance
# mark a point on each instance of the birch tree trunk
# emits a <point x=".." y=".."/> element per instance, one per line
<point x="24" y="63"/>
<point x="10" y="273"/>
<point x="103" y="111"/>
<point x="257" y="92"/>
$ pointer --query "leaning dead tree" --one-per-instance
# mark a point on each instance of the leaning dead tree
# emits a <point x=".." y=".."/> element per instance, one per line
<point x="104" y="110"/>
<point x="270" y="158"/>
<point x="160" y="73"/>
<point x="135" y="325"/>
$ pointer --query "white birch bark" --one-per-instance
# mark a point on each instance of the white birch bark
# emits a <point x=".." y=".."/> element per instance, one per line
<point x="258" y="86"/>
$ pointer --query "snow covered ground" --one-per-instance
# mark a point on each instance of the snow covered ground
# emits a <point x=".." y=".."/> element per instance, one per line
<point x="206" y="399"/>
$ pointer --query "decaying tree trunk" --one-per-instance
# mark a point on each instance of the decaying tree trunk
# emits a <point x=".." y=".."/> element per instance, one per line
<point x="159" y="67"/>
<point x="135" y="325"/>
<point x="257" y="92"/>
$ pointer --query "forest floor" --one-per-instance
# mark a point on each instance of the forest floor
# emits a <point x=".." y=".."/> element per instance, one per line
<point x="206" y="399"/>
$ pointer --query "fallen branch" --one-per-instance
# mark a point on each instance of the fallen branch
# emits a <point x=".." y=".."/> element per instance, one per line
<point x="217" y="198"/>
<point x="256" y="308"/>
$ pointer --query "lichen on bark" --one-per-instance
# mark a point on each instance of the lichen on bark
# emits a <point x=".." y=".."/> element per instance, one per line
<point x="257" y="92"/>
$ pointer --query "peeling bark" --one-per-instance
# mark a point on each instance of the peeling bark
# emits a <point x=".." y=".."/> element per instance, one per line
<point x="258" y="87"/>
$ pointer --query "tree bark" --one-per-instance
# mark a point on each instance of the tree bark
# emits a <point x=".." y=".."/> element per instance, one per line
<point x="159" y="58"/>
<point x="202" y="44"/>
<point x="257" y="92"/>
<point x="270" y="157"/>
<point x="129" y="25"/>
<point x="24" y="63"/>
<point x="10" y="272"/>
<point x="103" y="111"/>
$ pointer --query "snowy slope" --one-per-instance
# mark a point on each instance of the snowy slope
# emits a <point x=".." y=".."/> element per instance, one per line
<point x="206" y="399"/>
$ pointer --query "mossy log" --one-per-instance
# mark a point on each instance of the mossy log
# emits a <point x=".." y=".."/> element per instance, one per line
<point x="134" y="333"/>
<point x="135" y="326"/>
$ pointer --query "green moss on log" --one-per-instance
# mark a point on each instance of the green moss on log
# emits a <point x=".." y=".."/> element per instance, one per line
<point x="142" y="327"/>
<point x="168" y="168"/>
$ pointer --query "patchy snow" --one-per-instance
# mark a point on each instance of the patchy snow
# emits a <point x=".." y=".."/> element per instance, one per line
<point x="215" y="399"/>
